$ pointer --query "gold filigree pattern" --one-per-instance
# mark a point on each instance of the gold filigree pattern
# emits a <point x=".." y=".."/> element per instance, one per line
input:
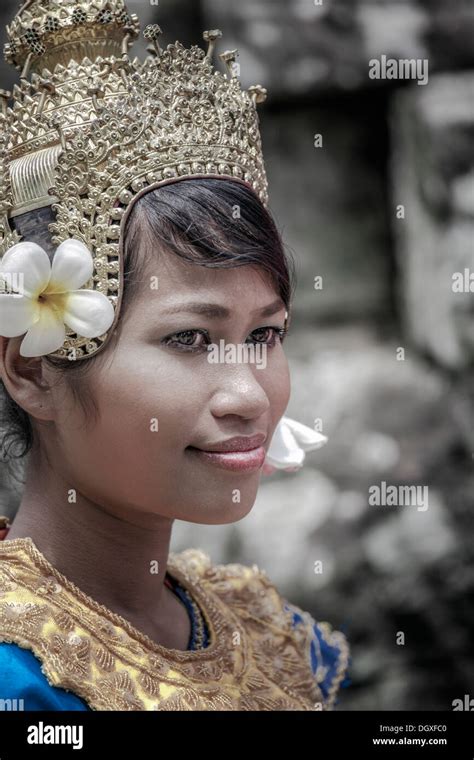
<point x="254" y="661"/>
<point x="93" y="129"/>
<point x="45" y="27"/>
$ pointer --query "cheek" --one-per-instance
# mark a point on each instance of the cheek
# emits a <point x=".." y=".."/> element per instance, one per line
<point x="147" y="409"/>
<point x="147" y="412"/>
<point x="135" y="450"/>
<point x="277" y="385"/>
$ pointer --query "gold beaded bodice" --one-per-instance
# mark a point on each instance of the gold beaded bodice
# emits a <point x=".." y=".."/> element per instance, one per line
<point x="255" y="660"/>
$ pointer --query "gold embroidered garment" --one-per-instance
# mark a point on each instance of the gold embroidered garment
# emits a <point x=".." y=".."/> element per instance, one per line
<point x="257" y="658"/>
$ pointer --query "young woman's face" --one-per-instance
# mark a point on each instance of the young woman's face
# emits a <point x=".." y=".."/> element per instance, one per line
<point x="158" y="394"/>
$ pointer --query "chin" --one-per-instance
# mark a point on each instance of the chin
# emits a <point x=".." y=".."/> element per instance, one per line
<point x="223" y="514"/>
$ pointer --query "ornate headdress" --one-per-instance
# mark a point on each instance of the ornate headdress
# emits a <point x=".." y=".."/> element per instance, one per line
<point x="89" y="131"/>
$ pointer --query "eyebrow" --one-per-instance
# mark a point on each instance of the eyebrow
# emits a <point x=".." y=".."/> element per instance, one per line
<point x="216" y="311"/>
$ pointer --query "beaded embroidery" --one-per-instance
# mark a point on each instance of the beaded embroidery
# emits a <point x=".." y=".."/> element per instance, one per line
<point x="255" y="660"/>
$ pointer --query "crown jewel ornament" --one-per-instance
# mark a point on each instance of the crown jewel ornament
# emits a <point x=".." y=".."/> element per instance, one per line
<point x="88" y="130"/>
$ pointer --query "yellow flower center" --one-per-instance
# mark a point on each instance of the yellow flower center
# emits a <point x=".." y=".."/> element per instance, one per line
<point x="54" y="301"/>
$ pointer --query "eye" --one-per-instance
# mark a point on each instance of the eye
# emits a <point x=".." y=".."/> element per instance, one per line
<point x="185" y="340"/>
<point x="268" y="335"/>
<point x="198" y="340"/>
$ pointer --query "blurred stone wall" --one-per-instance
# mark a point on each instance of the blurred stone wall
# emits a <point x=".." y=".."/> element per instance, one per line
<point x="380" y="207"/>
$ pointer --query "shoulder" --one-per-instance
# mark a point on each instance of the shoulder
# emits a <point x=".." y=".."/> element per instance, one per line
<point x="235" y="583"/>
<point x="326" y="649"/>
<point x="249" y="592"/>
<point x="25" y="687"/>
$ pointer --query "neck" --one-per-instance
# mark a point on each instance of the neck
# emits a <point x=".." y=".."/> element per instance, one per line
<point x="119" y="558"/>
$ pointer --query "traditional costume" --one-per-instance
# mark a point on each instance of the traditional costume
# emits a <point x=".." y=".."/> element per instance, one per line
<point x="88" y="130"/>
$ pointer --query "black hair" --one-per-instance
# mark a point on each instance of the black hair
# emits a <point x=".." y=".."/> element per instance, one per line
<point x="209" y="222"/>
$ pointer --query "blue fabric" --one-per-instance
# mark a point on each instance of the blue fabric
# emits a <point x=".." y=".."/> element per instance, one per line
<point x="21" y="678"/>
<point x="183" y="595"/>
<point x="322" y="655"/>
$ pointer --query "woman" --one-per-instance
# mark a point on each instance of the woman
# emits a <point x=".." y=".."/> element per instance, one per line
<point x="95" y="612"/>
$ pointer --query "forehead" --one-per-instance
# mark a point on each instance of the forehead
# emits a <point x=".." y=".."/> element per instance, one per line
<point x="172" y="279"/>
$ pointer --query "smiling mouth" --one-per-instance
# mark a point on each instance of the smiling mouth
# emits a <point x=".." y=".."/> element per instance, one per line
<point x="234" y="461"/>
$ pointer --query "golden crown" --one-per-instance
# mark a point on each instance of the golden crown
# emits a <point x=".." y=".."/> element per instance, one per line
<point x="90" y="130"/>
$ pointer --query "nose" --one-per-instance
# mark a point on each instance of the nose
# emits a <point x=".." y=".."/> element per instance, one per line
<point x="239" y="393"/>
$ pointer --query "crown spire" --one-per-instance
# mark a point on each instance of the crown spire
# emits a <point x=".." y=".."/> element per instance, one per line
<point x="211" y="36"/>
<point x="230" y="58"/>
<point x="46" y="32"/>
<point x="152" y="32"/>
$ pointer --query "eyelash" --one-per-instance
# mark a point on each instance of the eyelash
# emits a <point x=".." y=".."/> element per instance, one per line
<point x="280" y="332"/>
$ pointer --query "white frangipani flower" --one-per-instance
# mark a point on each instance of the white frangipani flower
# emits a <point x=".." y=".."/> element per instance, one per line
<point x="51" y="297"/>
<point x="290" y="442"/>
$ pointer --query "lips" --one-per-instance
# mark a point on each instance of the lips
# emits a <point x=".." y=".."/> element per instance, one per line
<point x="238" y="454"/>
<point x="237" y="443"/>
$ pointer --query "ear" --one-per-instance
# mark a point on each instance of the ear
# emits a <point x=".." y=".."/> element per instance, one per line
<point x="24" y="379"/>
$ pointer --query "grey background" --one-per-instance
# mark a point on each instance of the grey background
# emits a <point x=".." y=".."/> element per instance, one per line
<point x="386" y="285"/>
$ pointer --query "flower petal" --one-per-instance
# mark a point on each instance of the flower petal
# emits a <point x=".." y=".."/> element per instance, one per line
<point x="45" y="336"/>
<point x="32" y="262"/>
<point x="284" y="450"/>
<point x="307" y="438"/>
<point x="72" y="266"/>
<point x="17" y="314"/>
<point x="89" y="313"/>
<point x="289" y="443"/>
